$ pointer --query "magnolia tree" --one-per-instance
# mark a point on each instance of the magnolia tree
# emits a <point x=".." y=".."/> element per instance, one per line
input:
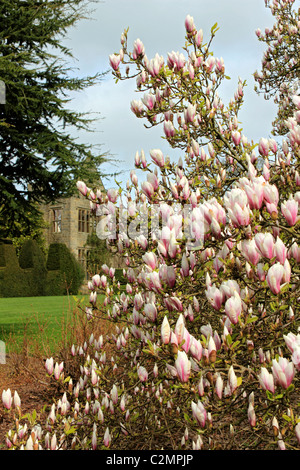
<point x="279" y="76"/>
<point x="205" y="350"/>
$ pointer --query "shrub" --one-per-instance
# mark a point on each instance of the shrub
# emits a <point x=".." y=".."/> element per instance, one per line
<point x="2" y="256"/>
<point x="15" y="282"/>
<point x="119" y="276"/>
<point x="205" y="353"/>
<point x="68" y="275"/>
<point x="33" y="260"/>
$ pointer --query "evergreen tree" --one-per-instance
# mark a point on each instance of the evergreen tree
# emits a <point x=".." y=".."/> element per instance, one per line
<point x="39" y="158"/>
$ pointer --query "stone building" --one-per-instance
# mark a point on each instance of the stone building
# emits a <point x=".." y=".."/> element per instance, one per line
<point x="69" y="221"/>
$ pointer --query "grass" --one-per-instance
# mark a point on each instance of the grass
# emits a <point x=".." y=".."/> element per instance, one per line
<point x="42" y="320"/>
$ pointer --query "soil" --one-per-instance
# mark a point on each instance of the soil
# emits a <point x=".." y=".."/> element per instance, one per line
<point x="29" y="379"/>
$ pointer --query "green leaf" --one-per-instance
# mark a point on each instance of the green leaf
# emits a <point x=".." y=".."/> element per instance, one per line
<point x="229" y="340"/>
<point x="214" y="28"/>
<point x="239" y="381"/>
<point x="285" y="288"/>
<point x="251" y="320"/>
<point x="71" y="430"/>
<point x="287" y="418"/>
<point x="187" y="418"/>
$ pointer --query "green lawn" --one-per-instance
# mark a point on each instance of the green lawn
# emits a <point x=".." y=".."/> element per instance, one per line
<point x="36" y="318"/>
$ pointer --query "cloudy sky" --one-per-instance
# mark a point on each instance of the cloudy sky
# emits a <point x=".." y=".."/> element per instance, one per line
<point x="160" y="25"/>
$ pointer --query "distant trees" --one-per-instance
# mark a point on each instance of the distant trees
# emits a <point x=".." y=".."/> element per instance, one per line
<point x="280" y="73"/>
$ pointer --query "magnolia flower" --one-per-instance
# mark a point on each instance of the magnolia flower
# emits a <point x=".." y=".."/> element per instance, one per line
<point x="283" y="372"/>
<point x="82" y="187"/>
<point x="271" y="194"/>
<point x="169" y="129"/>
<point x="274" y="277"/>
<point x="147" y="189"/>
<point x="199" y="413"/>
<point x="266" y="380"/>
<point x="157" y="157"/>
<point x="94" y="437"/>
<point x="154" y="65"/>
<point x="236" y="202"/>
<point x="96" y="280"/>
<point x="251" y="415"/>
<point x="263" y="147"/>
<point x="107" y="438"/>
<point x="199" y="37"/>
<point x="289" y="210"/>
<point x="114" y="394"/>
<point x="149" y="100"/>
<point x="190" y="112"/>
<point x="232" y="380"/>
<point x="150" y="311"/>
<point x="183" y="366"/>
<point x="94" y="377"/>
<point x="255" y="193"/>
<point x="142" y="373"/>
<point x="265" y="244"/>
<point x="189" y="24"/>
<point x="187" y="340"/>
<point x="219" y="386"/>
<point x="196" y="349"/>
<point x="58" y="370"/>
<point x="249" y="250"/>
<point x="17" y="400"/>
<point x="179" y="328"/>
<point x="165" y="331"/>
<point x="49" y="364"/>
<point x="280" y="251"/>
<point x="115" y="60"/>
<point x="233" y="307"/>
<point x="7" y="399"/>
<point x="138" y="49"/>
<point x="215" y="296"/>
<point x="137" y="108"/>
<point x="150" y="259"/>
<point x="236" y="137"/>
<point x="175" y="60"/>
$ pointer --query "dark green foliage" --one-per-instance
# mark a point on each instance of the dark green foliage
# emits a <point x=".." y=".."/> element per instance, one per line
<point x="31" y="257"/>
<point x="65" y="274"/>
<point x="120" y="277"/>
<point x="14" y="279"/>
<point x="55" y="283"/>
<point x="2" y="257"/>
<point x="98" y="253"/>
<point x="40" y="160"/>
<point x="28" y="276"/>
<point x="53" y="261"/>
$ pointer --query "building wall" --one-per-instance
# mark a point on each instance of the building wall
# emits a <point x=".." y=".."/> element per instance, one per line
<point x="63" y="226"/>
<point x="69" y="229"/>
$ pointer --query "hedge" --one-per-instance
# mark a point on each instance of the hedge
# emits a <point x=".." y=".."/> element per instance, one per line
<point x="66" y="275"/>
<point x="31" y="276"/>
<point x="13" y="281"/>
<point x="32" y="259"/>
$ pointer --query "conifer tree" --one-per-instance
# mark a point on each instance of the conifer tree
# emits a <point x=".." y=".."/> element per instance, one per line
<point x="40" y="159"/>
